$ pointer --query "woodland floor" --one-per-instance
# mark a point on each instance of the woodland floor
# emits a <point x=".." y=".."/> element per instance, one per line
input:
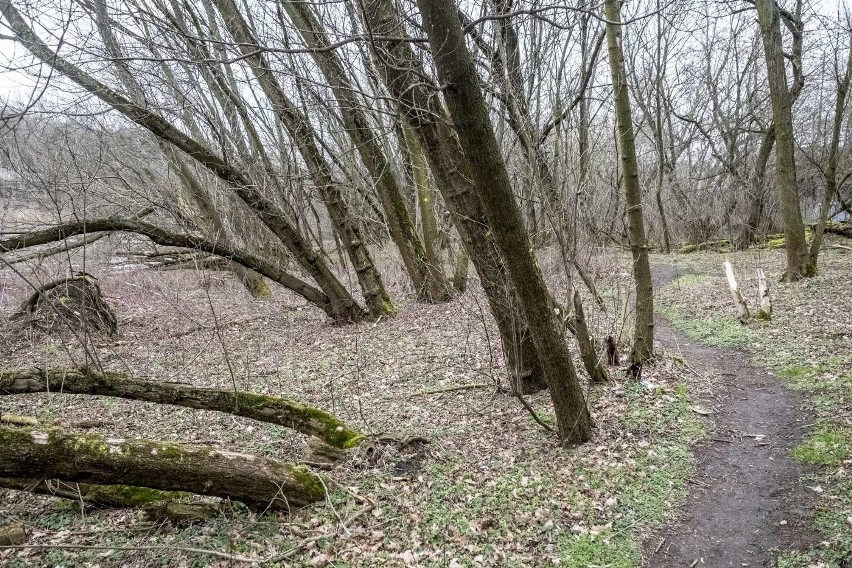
<point x="491" y="488"/>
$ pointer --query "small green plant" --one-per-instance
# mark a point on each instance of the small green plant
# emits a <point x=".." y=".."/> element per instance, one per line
<point x="828" y="445"/>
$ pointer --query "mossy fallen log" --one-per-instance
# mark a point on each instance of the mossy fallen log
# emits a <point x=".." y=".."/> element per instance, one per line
<point x="261" y="407"/>
<point x="93" y="495"/>
<point x="843" y="229"/>
<point x="257" y="481"/>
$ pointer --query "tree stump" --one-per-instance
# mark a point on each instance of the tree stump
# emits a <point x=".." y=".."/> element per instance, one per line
<point x="75" y="302"/>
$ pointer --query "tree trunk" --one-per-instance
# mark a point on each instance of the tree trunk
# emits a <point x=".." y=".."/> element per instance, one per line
<point x="437" y="282"/>
<point x="428" y="278"/>
<point x="452" y="173"/>
<point x="256" y="481"/>
<point x="588" y="353"/>
<point x="264" y="408"/>
<point x="785" y="162"/>
<point x="643" y="338"/>
<point x="758" y="188"/>
<point x="491" y="182"/>
<point x="830" y="171"/>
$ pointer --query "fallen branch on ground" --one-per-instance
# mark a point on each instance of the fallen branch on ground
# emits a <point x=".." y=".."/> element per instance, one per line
<point x="261" y="407"/>
<point x="257" y="481"/>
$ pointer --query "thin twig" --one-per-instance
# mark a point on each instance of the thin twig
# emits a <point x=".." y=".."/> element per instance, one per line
<point x="532" y="412"/>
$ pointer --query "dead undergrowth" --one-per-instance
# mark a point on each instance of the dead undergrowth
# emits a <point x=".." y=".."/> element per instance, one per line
<point x="489" y="489"/>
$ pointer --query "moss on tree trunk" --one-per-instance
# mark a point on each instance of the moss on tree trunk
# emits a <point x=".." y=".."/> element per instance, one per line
<point x="261" y="407"/>
<point x="256" y="481"/>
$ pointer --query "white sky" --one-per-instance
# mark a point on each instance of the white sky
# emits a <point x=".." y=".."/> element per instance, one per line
<point x="19" y="87"/>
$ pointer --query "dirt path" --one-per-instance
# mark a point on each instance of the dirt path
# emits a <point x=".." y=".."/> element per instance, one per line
<point x="746" y="500"/>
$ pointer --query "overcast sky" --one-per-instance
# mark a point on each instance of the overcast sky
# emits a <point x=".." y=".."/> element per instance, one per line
<point x="16" y="86"/>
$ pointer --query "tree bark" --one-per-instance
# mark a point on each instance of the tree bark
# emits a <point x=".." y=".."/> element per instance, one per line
<point x="588" y="353"/>
<point x="491" y="182"/>
<point x="785" y="161"/>
<point x="643" y="337"/>
<point x="257" y="481"/>
<point x="264" y="408"/>
<point x="118" y="496"/>
<point x="403" y="74"/>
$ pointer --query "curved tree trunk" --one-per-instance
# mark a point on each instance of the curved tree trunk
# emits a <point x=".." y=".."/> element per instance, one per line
<point x="167" y="238"/>
<point x="261" y="407"/>
<point x="785" y="150"/>
<point x="256" y="481"/>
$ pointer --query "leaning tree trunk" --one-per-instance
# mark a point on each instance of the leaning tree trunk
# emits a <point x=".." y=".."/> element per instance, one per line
<point x="469" y="112"/>
<point x="643" y="339"/>
<point x="261" y="407"/>
<point x="785" y="150"/>
<point x="427" y="277"/>
<point x="255" y="480"/>
<point x="403" y="74"/>
<point x="758" y="191"/>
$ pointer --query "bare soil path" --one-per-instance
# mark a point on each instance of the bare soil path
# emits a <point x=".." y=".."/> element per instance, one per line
<point x="746" y="500"/>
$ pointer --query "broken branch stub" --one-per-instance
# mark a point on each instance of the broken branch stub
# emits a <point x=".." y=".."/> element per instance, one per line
<point x="744" y="313"/>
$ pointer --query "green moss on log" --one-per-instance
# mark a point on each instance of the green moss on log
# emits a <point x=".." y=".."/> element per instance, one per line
<point x="265" y="408"/>
<point x="68" y="456"/>
<point x="723" y="245"/>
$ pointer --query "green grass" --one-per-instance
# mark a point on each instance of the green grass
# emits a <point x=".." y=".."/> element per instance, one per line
<point x="828" y="446"/>
<point x="720" y="331"/>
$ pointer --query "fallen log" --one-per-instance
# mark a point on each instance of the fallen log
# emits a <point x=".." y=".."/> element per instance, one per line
<point x="110" y="496"/>
<point x="261" y="407"/>
<point x="257" y="481"/>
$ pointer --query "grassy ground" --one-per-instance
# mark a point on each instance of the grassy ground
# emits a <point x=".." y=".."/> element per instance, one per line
<point x="809" y="343"/>
<point x="491" y="488"/>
